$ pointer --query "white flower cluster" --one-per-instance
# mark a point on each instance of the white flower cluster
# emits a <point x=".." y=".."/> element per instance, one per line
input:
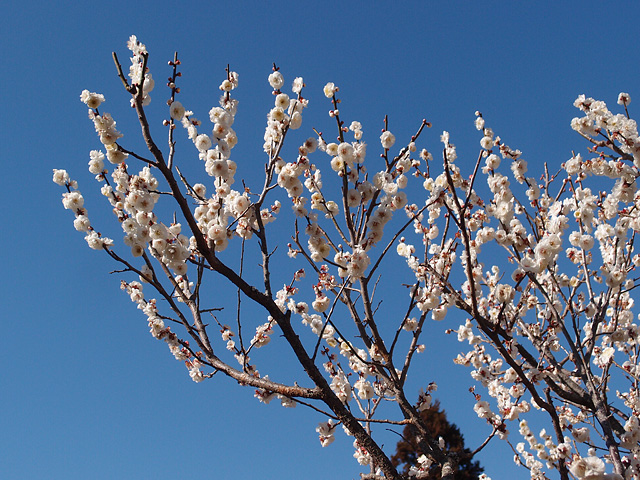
<point x="352" y="264"/>
<point x="215" y="148"/>
<point x="158" y="329"/>
<point x="361" y="455"/>
<point x="422" y="469"/>
<point x="357" y="358"/>
<point x="228" y="211"/>
<point x="133" y="197"/>
<point x="318" y="246"/>
<point x="91" y="99"/>
<point x="141" y="226"/>
<point x="136" y="73"/>
<point x="424" y="399"/>
<point x="318" y="327"/>
<point x="265" y="396"/>
<point x="387" y="139"/>
<point x="330" y="90"/>
<point x="74" y="201"/>
<point x="288" y="176"/>
<point x="359" y="365"/>
<point x="599" y="119"/>
<point x="105" y="126"/>
<point x="502" y="385"/>
<point x="546" y="450"/>
<point x="263" y="334"/>
<point x="347" y="156"/>
<point x="325" y="432"/>
<point x="591" y="468"/>
<point x="286" y="113"/>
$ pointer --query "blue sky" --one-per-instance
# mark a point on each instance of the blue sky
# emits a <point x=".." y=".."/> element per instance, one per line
<point x="86" y="391"/>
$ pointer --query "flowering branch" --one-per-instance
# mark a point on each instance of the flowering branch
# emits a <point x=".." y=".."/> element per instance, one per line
<point x="555" y="312"/>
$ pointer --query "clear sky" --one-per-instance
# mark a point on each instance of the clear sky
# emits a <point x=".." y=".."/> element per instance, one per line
<point x="85" y="391"/>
